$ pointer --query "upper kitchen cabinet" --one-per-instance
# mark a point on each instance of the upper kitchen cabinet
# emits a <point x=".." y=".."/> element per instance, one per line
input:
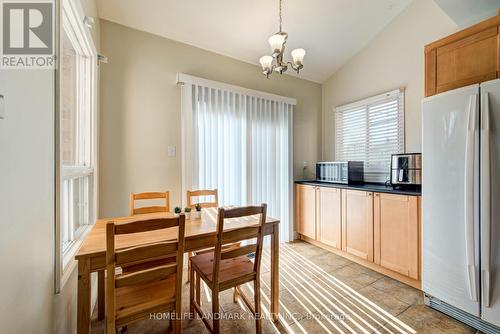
<point x="396" y="233"/>
<point x="357" y="223"/>
<point x="305" y="203"/>
<point x="467" y="57"/>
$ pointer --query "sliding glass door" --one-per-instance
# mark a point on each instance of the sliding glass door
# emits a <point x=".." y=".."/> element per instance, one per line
<point x="241" y="144"/>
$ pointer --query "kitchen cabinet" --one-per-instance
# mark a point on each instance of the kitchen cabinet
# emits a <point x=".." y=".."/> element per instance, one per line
<point x="396" y="233"/>
<point x="357" y="223"/>
<point x="329" y="216"/>
<point x="375" y="229"/>
<point x="305" y="197"/>
<point x="464" y="58"/>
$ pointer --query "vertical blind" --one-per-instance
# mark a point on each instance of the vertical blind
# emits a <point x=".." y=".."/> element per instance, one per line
<point x="241" y="144"/>
<point x="371" y="130"/>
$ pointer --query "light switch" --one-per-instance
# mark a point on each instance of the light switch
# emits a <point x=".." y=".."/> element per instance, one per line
<point x="171" y="151"/>
<point x="2" y="107"/>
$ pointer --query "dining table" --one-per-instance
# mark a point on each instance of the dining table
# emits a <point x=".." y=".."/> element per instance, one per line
<point x="200" y="233"/>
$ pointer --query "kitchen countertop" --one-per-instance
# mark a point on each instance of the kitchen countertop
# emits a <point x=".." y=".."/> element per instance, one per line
<point x="376" y="187"/>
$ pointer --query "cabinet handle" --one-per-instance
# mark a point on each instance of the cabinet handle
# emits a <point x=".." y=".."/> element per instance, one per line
<point x="376" y="195"/>
<point x="369" y="194"/>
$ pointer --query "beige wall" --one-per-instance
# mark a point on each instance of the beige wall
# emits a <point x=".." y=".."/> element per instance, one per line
<point x="140" y="111"/>
<point x="393" y="59"/>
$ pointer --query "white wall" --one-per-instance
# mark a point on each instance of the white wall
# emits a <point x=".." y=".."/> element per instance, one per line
<point x="27" y="199"/>
<point x="395" y="58"/>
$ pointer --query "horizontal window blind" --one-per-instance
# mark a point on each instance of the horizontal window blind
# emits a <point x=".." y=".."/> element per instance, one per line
<point x="371" y="130"/>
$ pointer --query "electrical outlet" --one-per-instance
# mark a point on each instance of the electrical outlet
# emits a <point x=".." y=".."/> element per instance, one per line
<point x="171" y="151"/>
<point x="2" y="107"/>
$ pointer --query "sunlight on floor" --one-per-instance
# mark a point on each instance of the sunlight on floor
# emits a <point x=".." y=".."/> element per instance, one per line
<point x="321" y="302"/>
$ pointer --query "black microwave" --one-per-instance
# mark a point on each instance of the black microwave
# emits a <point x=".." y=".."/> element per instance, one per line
<point x="346" y="172"/>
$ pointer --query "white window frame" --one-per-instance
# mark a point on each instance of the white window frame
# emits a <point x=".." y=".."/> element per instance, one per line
<point x="71" y="20"/>
<point x="366" y="105"/>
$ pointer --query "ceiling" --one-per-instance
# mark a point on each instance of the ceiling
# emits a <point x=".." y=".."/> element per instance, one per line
<point x="466" y="12"/>
<point x="331" y="31"/>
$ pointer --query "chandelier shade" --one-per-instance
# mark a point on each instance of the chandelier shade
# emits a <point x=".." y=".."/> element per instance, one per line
<point x="298" y="56"/>
<point x="277" y="41"/>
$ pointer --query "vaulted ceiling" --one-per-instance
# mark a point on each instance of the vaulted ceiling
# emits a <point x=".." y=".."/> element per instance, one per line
<point x="331" y="31"/>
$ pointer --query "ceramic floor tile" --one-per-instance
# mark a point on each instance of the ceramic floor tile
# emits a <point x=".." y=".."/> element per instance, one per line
<point x="399" y="290"/>
<point x="320" y="292"/>
<point x="426" y="320"/>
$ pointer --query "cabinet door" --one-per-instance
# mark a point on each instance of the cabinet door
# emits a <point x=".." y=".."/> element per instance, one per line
<point x="397" y="233"/>
<point x="357" y="223"/>
<point x="306" y="210"/>
<point x="462" y="62"/>
<point x="329" y="213"/>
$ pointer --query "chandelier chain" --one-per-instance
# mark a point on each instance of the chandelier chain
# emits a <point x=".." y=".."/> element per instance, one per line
<point x="280" y="17"/>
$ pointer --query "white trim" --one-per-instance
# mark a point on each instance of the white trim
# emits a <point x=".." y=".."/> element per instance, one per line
<point x="70" y="15"/>
<point x="368" y="100"/>
<point x="189" y="79"/>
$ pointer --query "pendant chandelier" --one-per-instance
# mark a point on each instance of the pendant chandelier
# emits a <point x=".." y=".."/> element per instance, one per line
<point x="275" y="62"/>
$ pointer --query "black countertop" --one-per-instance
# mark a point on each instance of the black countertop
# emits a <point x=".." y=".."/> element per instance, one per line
<point x="376" y="187"/>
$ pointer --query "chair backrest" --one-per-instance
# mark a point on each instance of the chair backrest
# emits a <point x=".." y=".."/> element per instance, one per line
<point x="198" y="193"/>
<point x="148" y="253"/>
<point x="149" y="196"/>
<point x="239" y="234"/>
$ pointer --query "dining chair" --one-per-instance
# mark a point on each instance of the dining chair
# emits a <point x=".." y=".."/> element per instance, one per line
<point x="149" y="196"/>
<point x="134" y="296"/>
<point x="199" y="193"/>
<point x="224" y="269"/>
<point x="190" y="195"/>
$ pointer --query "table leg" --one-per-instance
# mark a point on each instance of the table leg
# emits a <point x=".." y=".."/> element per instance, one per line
<point x="101" y="307"/>
<point x="83" y="299"/>
<point x="275" y="274"/>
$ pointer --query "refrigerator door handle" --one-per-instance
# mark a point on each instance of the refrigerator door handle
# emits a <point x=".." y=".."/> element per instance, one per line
<point x="485" y="199"/>
<point x="469" y="197"/>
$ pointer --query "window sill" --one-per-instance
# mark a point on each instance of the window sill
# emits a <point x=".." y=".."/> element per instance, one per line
<point x="69" y="263"/>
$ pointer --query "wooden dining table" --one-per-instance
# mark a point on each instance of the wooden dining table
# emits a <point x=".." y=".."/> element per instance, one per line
<point x="200" y="234"/>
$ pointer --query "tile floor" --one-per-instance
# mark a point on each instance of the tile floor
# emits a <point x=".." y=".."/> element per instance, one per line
<point x="321" y="292"/>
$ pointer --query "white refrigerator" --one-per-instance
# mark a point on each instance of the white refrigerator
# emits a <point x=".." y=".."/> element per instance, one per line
<point x="461" y="204"/>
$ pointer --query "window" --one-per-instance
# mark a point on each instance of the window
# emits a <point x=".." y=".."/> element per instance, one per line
<point x="77" y="136"/>
<point x="371" y="130"/>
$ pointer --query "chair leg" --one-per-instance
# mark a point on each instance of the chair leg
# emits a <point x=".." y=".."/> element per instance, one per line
<point x="191" y="291"/>
<point x="215" y="311"/>
<point x="189" y="265"/>
<point x="198" y="289"/>
<point x="235" y="294"/>
<point x="258" y="319"/>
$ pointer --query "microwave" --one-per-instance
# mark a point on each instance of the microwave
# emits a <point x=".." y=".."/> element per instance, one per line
<point x="346" y="172"/>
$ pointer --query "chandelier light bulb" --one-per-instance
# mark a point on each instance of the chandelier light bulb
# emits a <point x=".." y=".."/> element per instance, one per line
<point x="276" y="41"/>
<point x="298" y="56"/>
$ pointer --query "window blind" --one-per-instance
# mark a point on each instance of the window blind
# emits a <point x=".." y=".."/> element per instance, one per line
<point x="371" y="130"/>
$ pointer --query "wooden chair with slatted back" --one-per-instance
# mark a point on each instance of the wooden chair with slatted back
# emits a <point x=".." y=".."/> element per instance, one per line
<point x="199" y="193"/>
<point x="223" y="269"/>
<point x="149" y="196"/>
<point x="190" y="194"/>
<point x="131" y="297"/>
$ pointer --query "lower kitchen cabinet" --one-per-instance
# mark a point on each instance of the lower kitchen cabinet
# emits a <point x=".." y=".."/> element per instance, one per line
<point x="378" y="230"/>
<point x="305" y="205"/>
<point x="396" y="236"/>
<point x="329" y="216"/>
<point x="357" y="223"/>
